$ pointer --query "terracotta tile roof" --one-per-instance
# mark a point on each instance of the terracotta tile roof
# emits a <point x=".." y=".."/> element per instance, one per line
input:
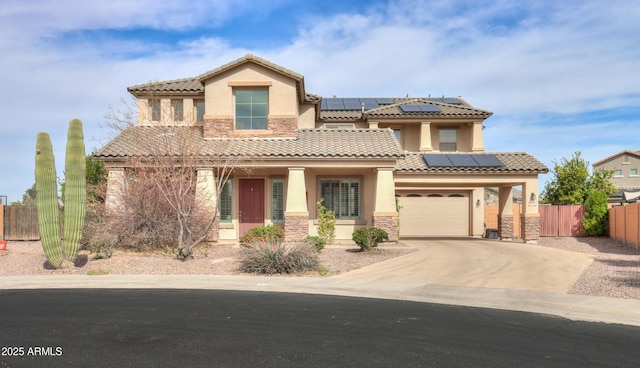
<point x="250" y="58"/>
<point x="310" y="143"/>
<point x="513" y="162"/>
<point x="185" y="85"/>
<point x="446" y="110"/>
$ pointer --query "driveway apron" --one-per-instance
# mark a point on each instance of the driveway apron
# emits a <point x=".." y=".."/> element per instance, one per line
<point x="480" y="263"/>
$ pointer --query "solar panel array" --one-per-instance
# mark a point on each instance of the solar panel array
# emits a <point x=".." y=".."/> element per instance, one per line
<point x="461" y="160"/>
<point x="354" y="103"/>
<point x="419" y="108"/>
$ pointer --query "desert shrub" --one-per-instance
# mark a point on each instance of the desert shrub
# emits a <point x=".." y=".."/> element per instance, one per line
<point x="316" y="241"/>
<point x="269" y="257"/>
<point x="270" y="233"/>
<point x="144" y="220"/>
<point x="368" y="238"/>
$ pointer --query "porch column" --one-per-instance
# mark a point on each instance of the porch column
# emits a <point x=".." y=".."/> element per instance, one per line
<point x="425" y="136"/>
<point x="530" y="216"/>
<point x="116" y="189"/>
<point x="207" y="196"/>
<point x="385" y="215"/>
<point x="477" y="144"/>
<point x="296" y="213"/>
<point x="505" y="213"/>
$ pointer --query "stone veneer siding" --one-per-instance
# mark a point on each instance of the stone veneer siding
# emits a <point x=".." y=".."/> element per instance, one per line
<point x="295" y="227"/>
<point x="277" y="127"/>
<point x="388" y="224"/>
<point x="530" y="226"/>
<point x="505" y="227"/>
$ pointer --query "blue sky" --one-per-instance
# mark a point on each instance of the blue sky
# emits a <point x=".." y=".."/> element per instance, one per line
<point x="559" y="76"/>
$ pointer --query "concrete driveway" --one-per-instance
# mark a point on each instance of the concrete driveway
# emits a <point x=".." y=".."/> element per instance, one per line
<point x="480" y="263"/>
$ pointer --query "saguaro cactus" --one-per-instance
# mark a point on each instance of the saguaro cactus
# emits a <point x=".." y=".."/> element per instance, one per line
<point x="61" y="253"/>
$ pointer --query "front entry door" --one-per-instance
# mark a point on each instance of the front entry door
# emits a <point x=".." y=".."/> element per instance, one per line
<point x="251" y="206"/>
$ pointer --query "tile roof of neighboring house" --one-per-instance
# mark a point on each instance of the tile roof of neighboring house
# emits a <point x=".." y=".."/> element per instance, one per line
<point x="310" y="143"/>
<point x="615" y="155"/>
<point x="513" y="162"/>
<point x="394" y="110"/>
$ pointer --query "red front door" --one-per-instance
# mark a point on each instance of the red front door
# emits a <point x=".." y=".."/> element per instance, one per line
<point x="251" y="206"/>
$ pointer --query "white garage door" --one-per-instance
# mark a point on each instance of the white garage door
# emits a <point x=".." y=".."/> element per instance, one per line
<point x="434" y="214"/>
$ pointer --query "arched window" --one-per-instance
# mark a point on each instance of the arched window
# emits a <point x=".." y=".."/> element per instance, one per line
<point x="455" y="195"/>
<point x="434" y="195"/>
<point x="414" y="195"/>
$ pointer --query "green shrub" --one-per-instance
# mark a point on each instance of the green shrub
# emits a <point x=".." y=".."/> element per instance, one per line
<point x="368" y="238"/>
<point x="316" y="241"/>
<point x="270" y="233"/>
<point x="596" y="216"/>
<point x="266" y="257"/>
<point x="326" y="223"/>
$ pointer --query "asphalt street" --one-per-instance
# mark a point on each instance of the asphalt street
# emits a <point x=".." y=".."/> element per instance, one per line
<point x="214" y="328"/>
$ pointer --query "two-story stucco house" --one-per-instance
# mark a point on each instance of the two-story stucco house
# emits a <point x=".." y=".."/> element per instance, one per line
<point x="358" y="154"/>
<point x="625" y="166"/>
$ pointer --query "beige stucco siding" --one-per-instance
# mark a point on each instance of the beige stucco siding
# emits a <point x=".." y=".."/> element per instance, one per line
<point x="219" y="99"/>
<point x="624" y="163"/>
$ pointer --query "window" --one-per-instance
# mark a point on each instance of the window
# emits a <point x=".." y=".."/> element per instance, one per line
<point x="435" y="195"/>
<point x="617" y="173"/>
<point x="398" y="134"/>
<point x="155" y="110"/>
<point x="225" y="202"/>
<point x="178" y="110"/>
<point x="633" y="172"/>
<point x="199" y="110"/>
<point x="252" y="108"/>
<point x="338" y="126"/>
<point x="342" y="197"/>
<point x="448" y="140"/>
<point x="277" y="201"/>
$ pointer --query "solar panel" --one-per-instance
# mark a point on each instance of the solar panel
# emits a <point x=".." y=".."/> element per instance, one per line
<point x="487" y="161"/>
<point x="323" y="104"/>
<point x="436" y="160"/>
<point x="384" y="100"/>
<point x="369" y="103"/>
<point x="429" y="108"/>
<point x="335" y="104"/>
<point x="410" y="108"/>
<point x="451" y="100"/>
<point x="352" y="104"/>
<point x="462" y="161"/>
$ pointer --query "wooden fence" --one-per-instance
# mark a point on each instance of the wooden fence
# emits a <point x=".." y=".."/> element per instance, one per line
<point x="561" y="220"/>
<point x="20" y="223"/>
<point x="491" y="218"/>
<point x="624" y="224"/>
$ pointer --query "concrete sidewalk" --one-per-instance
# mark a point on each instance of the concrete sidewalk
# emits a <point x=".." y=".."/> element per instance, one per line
<point x="466" y="272"/>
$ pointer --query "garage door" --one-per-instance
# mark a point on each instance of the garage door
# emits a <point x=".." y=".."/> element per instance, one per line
<point x="434" y="214"/>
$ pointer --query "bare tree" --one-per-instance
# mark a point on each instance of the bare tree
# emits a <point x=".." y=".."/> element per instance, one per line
<point x="188" y="172"/>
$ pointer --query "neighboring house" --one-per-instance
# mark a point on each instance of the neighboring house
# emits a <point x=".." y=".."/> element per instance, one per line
<point x="358" y="154"/>
<point x="625" y="166"/>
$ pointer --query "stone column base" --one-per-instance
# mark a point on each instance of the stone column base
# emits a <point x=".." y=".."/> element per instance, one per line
<point x="530" y="227"/>
<point x="295" y="227"/>
<point x="388" y="224"/>
<point x="505" y="227"/>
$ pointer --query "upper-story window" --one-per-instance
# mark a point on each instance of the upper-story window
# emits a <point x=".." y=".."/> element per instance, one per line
<point x="617" y="173"/>
<point x="252" y="108"/>
<point x="178" y="110"/>
<point x="633" y="172"/>
<point x="448" y="140"/>
<point x="156" y="110"/>
<point x="199" y="110"/>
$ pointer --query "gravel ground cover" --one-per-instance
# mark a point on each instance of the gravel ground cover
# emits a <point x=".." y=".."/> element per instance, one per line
<point x="614" y="273"/>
